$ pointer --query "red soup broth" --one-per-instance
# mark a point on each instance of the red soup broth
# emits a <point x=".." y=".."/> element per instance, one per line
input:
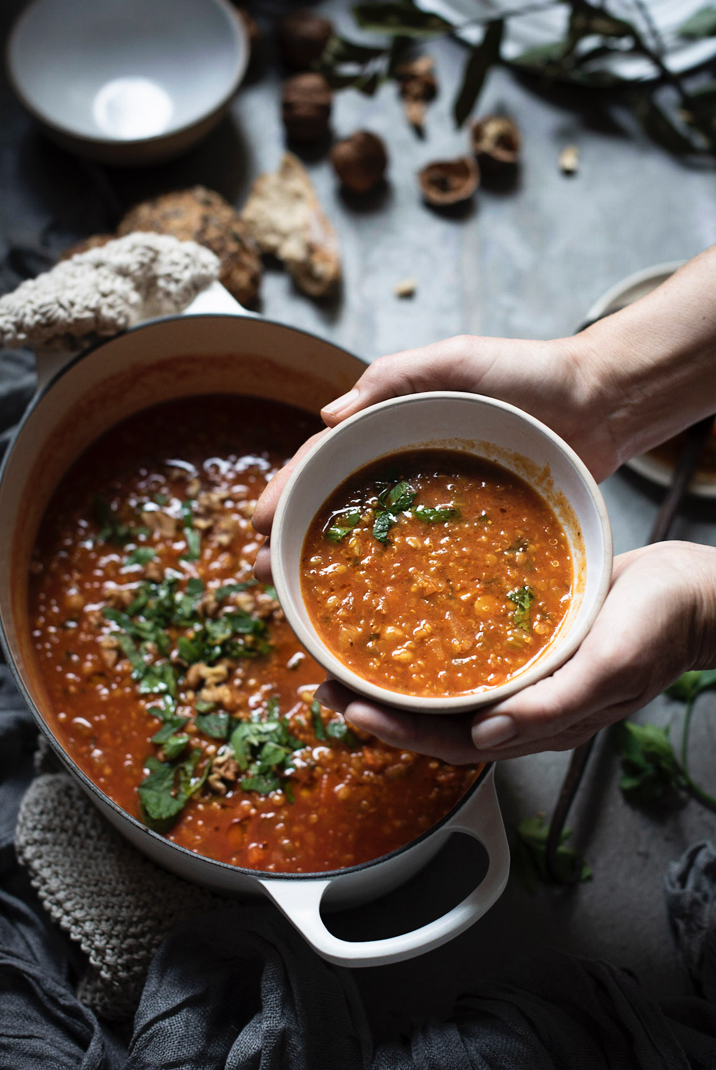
<point x="174" y="681"/>
<point x="436" y="573"/>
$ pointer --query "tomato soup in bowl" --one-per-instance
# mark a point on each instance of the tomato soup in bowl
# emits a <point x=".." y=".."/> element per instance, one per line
<point x="426" y="567"/>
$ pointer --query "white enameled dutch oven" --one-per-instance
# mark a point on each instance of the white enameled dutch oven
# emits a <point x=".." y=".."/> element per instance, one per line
<point x="214" y="347"/>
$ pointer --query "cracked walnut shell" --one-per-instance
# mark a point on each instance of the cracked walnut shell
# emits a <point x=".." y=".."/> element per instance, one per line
<point x="496" y="141"/>
<point x="448" y="182"/>
<point x="306" y="107"/>
<point x="360" y="161"/>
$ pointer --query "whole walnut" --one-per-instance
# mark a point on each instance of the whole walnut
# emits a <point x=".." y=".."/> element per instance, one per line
<point x="360" y="161"/>
<point x="302" y="37"/>
<point x="306" y="107"/>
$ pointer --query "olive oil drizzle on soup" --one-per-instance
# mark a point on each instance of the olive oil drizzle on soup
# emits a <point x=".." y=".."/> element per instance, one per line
<point x="436" y="573"/>
<point x="173" y="678"/>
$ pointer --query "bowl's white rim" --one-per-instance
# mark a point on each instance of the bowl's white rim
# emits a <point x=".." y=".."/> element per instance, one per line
<point x="564" y="647"/>
<point x="99" y="139"/>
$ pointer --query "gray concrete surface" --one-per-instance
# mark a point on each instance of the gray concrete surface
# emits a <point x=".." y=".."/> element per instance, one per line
<point x="524" y="263"/>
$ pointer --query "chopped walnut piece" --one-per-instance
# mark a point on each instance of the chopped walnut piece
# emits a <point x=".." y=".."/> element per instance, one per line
<point x="211" y="501"/>
<point x="208" y="606"/>
<point x="157" y="520"/>
<point x="193" y="487"/>
<point x="225" y="765"/>
<point x="203" y="523"/>
<point x="210" y="674"/>
<point x="568" y="160"/>
<point x="225" y="529"/>
<point x="266" y="606"/>
<point x="108" y="651"/>
<point x="223" y="695"/>
<point x="154" y="571"/>
<point x="216" y="784"/>
<point x="245" y="601"/>
<point x="418" y="85"/>
<point x="94" y="618"/>
<point x="118" y="597"/>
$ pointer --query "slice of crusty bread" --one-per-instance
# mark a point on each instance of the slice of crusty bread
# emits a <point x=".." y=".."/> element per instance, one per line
<point x="284" y="217"/>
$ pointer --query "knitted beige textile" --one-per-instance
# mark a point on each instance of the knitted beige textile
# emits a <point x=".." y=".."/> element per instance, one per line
<point x="112" y="901"/>
<point x="101" y="292"/>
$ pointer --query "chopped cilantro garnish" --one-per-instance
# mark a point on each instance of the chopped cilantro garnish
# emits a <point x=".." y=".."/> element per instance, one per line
<point x="215" y="725"/>
<point x="263" y="749"/>
<point x="191" y="535"/>
<point x="343" y="525"/>
<point x="435" y="516"/>
<point x="319" y="729"/>
<point x="140" y="556"/>
<point x="170" y="726"/>
<point x="111" y="527"/>
<point x="168" y="787"/>
<point x="392" y="500"/>
<point x="339" y="730"/>
<point x="523" y="599"/>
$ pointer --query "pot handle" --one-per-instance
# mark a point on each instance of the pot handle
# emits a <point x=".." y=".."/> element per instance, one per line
<point x="216" y="299"/>
<point x="300" y="900"/>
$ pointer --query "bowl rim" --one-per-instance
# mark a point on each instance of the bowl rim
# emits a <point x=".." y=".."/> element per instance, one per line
<point x="106" y="140"/>
<point x="543" y="666"/>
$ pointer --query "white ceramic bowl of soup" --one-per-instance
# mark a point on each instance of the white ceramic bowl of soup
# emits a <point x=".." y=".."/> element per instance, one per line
<point x="127" y="81"/>
<point x="474" y="425"/>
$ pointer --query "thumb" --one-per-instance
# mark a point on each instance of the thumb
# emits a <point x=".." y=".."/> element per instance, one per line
<point x="448" y="365"/>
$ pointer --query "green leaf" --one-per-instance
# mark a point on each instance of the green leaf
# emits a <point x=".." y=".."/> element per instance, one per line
<point x="435" y="516"/>
<point x="170" y="726"/>
<point x="341" y="50"/>
<point x="194" y="586"/>
<point x="398" y="498"/>
<point x="189" y="650"/>
<point x="399" y="18"/>
<point x="160" y="807"/>
<point x="348" y="521"/>
<point x="382" y="524"/>
<point x="339" y="730"/>
<point x="691" y="684"/>
<point x="319" y="729"/>
<point x="215" y="725"/>
<point x="174" y="746"/>
<point x="193" y="545"/>
<point x="262" y="783"/>
<point x="529" y="856"/>
<point x="523" y="599"/>
<point x="701" y="24"/>
<point x="651" y="771"/>
<point x="542" y="56"/>
<point x="586" y="20"/>
<point x="233" y="588"/>
<point x="140" y="556"/>
<point x="273" y="754"/>
<point x="482" y="57"/>
<point x="111" y="527"/>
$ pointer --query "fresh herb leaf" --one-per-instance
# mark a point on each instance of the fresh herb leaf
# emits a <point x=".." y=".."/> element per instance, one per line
<point x="339" y="730"/>
<point x="215" y="725"/>
<point x="111" y="527"/>
<point x="194" y="586"/>
<point x="189" y="651"/>
<point x="233" y="588"/>
<point x="435" y="516"/>
<point x="650" y="770"/>
<point x="140" y="556"/>
<point x="262" y="783"/>
<point x="193" y="545"/>
<point x="523" y="598"/>
<point x="529" y="856"/>
<point x="270" y="591"/>
<point x="175" y="746"/>
<point x="691" y="684"/>
<point x="319" y="729"/>
<point x="170" y="726"/>
<point x="204" y="707"/>
<point x="337" y="532"/>
<point x="161" y="801"/>
<point x="392" y="501"/>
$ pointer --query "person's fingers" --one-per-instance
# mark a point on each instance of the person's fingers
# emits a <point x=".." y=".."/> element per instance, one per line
<point x="448" y="365"/>
<point x="266" y="505"/>
<point x="262" y="564"/>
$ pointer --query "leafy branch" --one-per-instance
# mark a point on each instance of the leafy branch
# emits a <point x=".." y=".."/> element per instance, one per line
<point x="593" y="35"/>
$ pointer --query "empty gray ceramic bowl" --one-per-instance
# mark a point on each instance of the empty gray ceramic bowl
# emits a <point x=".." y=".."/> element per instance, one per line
<point x="127" y="81"/>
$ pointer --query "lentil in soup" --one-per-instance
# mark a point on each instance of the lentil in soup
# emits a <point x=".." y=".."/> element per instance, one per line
<point x="173" y="679"/>
<point x="435" y="572"/>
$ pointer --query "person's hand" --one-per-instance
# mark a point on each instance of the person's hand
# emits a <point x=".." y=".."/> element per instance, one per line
<point x="557" y="384"/>
<point x="658" y="621"/>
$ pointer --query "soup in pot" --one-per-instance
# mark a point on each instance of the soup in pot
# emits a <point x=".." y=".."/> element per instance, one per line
<point x="173" y="679"/>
